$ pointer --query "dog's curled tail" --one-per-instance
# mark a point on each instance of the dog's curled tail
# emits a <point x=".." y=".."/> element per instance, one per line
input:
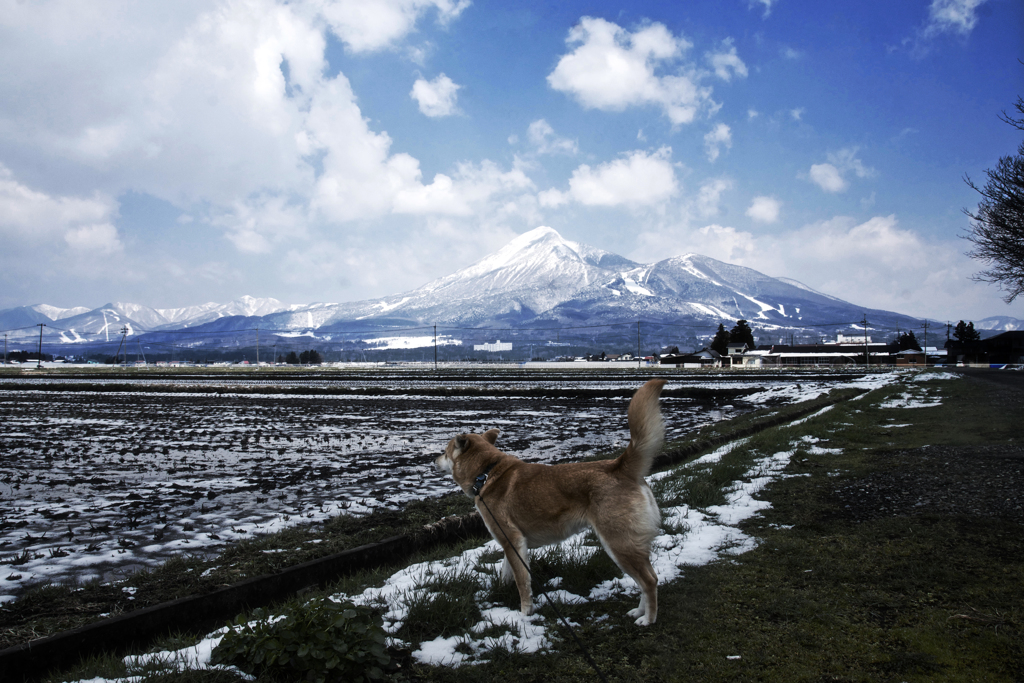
<point x="646" y="431"/>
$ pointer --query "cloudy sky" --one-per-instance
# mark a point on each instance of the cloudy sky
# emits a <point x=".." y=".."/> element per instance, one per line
<point x="175" y="153"/>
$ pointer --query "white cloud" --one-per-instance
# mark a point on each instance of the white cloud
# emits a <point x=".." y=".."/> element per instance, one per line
<point x="261" y="224"/>
<point x="437" y="97"/>
<point x="952" y="16"/>
<point x="875" y="263"/>
<point x="797" y="114"/>
<point x="611" y="68"/>
<point x="846" y="159"/>
<point x="33" y="217"/>
<point x="830" y="176"/>
<point x="638" y="179"/>
<point x="764" y="209"/>
<point x="368" y="26"/>
<point x="719" y="136"/>
<point x="553" y="198"/>
<point x="725" y="243"/>
<point x="472" y="187"/>
<point x="709" y="196"/>
<point x="726" y="63"/>
<point x="223" y="106"/>
<point x="767" y="4"/>
<point x="99" y="239"/>
<point x="542" y="136"/>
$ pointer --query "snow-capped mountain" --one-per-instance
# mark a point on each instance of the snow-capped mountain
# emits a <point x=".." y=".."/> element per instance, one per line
<point x="999" y="322"/>
<point x="538" y="279"/>
<point x="541" y="278"/>
<point x="106" y="322"/>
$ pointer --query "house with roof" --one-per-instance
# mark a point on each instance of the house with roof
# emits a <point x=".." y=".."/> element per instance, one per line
<point x="705" y="358"/>
<point x="779" y="355"/>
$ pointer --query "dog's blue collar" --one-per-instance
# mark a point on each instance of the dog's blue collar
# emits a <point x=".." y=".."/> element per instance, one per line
<point x="479" y="482"/>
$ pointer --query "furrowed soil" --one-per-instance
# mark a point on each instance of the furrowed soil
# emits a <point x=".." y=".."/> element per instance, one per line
<point x="119" y="492"/>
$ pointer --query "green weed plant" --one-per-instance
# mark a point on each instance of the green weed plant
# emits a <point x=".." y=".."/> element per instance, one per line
<point x="320" y="641"/>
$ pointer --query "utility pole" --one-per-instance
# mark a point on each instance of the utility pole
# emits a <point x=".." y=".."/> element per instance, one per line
<point x="124" y="333"/>
<point x="5" y="349"/>
<point x="39" y="362"/>
<point x="867" y="358"/>
<point x="637" y="344"/>
<point x="435" y="347"/>
<point x="257" y="348"/>
<point x="139" y="342"/>
<point x="926" y="342"/>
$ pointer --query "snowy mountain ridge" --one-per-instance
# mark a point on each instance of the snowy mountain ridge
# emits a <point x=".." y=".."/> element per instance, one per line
<point x="537" y="279"/>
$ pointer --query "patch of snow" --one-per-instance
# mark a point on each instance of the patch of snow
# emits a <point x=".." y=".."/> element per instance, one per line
<point x="419" y="342"/>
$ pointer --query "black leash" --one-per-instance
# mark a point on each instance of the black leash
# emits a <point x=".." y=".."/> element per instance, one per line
<point x="477" y="487"/>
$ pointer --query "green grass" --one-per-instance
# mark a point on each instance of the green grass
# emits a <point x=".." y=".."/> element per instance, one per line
<point x="445" y="607"/>
<point x="918" y="598"/>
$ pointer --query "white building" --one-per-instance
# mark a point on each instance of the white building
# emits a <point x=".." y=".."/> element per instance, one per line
<point x="493" y="348"/>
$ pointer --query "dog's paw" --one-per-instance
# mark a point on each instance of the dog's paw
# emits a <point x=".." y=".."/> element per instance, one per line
<point x="643" y="621"/>
<point x="527" y="610"/>
<point x="639" y="611"/>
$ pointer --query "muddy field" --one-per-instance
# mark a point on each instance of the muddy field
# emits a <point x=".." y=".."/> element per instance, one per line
<point x="101" y="477"/>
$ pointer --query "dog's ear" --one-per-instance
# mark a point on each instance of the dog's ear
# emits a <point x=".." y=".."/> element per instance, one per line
<point x="461" y="442"/>
<point x="492" y="435"/>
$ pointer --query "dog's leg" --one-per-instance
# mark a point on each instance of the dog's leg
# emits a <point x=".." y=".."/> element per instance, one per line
<point x="647" y="612"/>
<point x="634" y="560"/>
<point x="516" y="554"/>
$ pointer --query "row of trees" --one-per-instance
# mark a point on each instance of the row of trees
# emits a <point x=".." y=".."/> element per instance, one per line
<point x="311" y="357"/>
<point x="26" y="356"/>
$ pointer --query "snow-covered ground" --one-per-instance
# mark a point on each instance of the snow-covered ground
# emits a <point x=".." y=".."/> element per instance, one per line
<point x="692" y="538"/>
<point x="99" y="484"/>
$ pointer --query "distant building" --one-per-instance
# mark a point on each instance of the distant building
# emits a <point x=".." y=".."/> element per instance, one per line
<point x="705" y="358"/>
<point x="493" y="348"/>
<point x="852" y="338"/>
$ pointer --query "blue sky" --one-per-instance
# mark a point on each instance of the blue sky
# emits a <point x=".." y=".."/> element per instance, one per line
<point x="172" y="154"/>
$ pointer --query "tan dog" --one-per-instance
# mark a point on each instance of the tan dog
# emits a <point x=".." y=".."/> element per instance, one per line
<point x="528" y="505"/>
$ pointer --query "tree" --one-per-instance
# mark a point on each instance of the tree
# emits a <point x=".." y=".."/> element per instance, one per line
<point x="997" y="231"/>
<point x="907" y="341"/>
<point x="966" y="333"/>
<point x="311" y="357"/>
<point x="721" y="341"/>
<point x="742" y="334"/>
<point x="291" y="358"/>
